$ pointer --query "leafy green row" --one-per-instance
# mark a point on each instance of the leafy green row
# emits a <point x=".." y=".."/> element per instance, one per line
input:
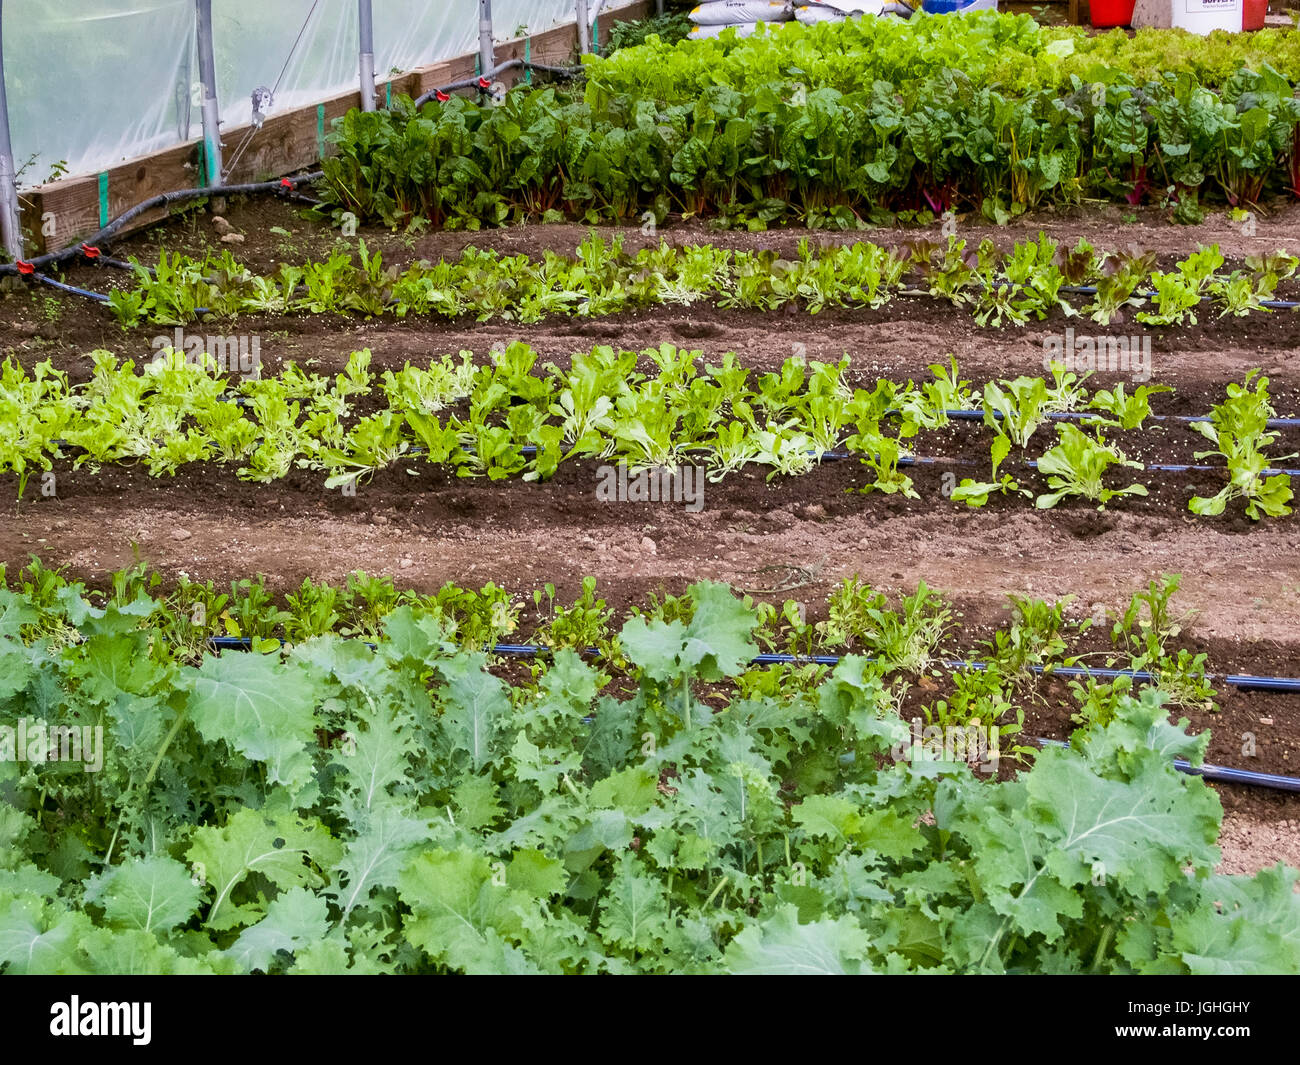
<point x="518" y="423"/>
<point x="911" y="640"/>
<point x="782" y="151"/>
<point x="1002" y="51"/>
<point x="340" y="808"/>
<point x="1030" y="282"/>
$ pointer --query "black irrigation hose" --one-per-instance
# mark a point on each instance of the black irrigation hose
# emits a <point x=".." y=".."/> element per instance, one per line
<point x="98" y="297"/>
<point x="1218" y="773"/>
<point x="283" y="187"/>
<point x="969" y="415"/>
<point x="825" y="456"/>
<point x="90" y="251"/>
<point x="44" y="280"/>
<point x="1147" y="294"/>
<point x="1243" y="681"/>
<point x="915" y="460"/>
<point x="1221" y="774"/>
<point x="483" y="82"/>
<point x="978" y="415"/>
<point x="121" y="264"/>
<point x="924" y="460"/>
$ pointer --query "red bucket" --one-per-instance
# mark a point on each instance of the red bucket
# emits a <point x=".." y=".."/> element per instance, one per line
<point x="1252" y="14"/>
<point x="1113" y="12"/>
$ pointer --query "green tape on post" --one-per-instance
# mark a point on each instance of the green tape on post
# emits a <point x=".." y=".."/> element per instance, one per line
<point x="595" y="34"/>
<point x="103" y="198"/>
<point x="388" y="96"/>
<point x="320" y="130"/>
<point x="528" y="58"/>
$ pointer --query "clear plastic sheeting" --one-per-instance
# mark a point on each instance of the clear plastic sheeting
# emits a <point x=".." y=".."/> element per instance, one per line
<point x="93" y="82"/>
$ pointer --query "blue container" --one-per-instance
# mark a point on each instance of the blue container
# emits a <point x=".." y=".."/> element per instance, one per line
<point x="948" y="7"/>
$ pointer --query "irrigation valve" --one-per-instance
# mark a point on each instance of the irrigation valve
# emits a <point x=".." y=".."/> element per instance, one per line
<point x="263" y="99"/>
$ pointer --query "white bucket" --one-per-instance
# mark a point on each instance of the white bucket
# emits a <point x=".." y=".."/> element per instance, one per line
<point x="1205" y="16"/>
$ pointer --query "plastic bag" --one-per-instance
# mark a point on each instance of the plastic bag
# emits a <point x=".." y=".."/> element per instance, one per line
<point x="700" y="33"/>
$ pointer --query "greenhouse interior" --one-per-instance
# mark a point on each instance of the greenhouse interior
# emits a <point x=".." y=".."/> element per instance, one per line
<point x="561" y="487"/>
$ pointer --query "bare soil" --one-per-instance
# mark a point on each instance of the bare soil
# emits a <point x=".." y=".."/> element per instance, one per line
<point x="801" y="534"/>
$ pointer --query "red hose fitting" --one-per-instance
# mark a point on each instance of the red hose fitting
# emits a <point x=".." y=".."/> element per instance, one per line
<point x="25" y="267"/>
